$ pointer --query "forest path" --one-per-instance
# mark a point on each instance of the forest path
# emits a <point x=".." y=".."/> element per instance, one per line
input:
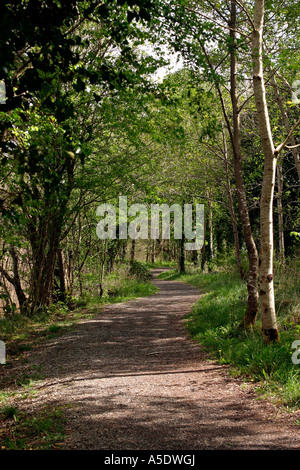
<point x="132" y="379"/>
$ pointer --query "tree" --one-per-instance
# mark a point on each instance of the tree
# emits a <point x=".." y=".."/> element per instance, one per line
<point x="54" y="53"/>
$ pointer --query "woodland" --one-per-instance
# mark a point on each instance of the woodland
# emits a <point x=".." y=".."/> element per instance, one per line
<point x="165" y="102"/>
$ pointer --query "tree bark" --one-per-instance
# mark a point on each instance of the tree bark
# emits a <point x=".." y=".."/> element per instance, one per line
<point x="102" y="268"/>
<point x="44" y="244"/>
<point x="203" y="249"/>
<point x="17" y="281"/>
<point x="132" y="251"/>
<point x="267" y="299"/>
<point x="153" y="247"/>
<point x="280" y="210"/>
<point x="295" y="152"/>
<point x="182" y="255"/>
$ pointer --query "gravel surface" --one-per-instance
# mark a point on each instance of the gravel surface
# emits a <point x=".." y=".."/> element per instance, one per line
<point x="132" y="379"/>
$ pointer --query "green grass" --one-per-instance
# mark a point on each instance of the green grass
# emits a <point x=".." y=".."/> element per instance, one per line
<point x="160" y="264"/>
<point x="9" y="412"/>
<point x="215" y="323"/>
<point x="120" y="291"/>
<point x="132" y="289"/>
<point x="39" y="431"/>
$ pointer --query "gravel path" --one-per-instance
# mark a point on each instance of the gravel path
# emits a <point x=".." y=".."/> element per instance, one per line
<point x="133" y="380"/>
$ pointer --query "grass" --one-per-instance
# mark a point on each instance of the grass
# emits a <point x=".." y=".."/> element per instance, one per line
<point x="161" y="264"/>
<point x="119" y="290"/>
<point x="132" y="290"/>
<point x="215" y="323"/>
<point x="22" y="431"/>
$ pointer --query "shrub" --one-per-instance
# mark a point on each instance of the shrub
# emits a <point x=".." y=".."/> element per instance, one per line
<point x="139" y="271"/>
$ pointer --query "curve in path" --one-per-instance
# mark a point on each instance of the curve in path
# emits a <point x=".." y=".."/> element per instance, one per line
<point x="134" y="380"/>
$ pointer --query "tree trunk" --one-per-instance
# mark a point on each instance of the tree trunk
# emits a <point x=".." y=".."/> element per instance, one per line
<point x="61" y="272"/>
<point x="132" y="252"/>
<point x="64" y="285"/>
<point x="231" y="210"/>
<point x="280" y="211"/>
<point x="252" y="283"/>
<point x="182" y="255"/>
<point x="42" y="274"/>
<point x="203" y="249"/>
<point x="102" y="268"/>
<point x="153" y="251"/>
<point x="267" y="299"/>
<point x="194" y="257"/>
<point x="210" y="222"/>
<point x="148" y="248"/>
<point x="44" y="236"/>
<point x="15" y="280"/>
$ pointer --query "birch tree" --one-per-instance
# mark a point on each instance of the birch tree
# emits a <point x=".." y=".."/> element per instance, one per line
<point x="267" y="298"/>
<point x="271" y="155"/>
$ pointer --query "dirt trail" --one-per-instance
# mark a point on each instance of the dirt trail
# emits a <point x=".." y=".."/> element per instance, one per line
<point x="135" y="381"/>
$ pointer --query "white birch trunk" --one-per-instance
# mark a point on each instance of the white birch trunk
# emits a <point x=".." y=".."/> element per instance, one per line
<point x="267" y="299"/>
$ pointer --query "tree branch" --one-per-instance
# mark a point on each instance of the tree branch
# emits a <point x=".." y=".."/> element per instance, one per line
<point x="217" y="22"/>
<point x="281" y="146"/>
<point x="245" y="9"/>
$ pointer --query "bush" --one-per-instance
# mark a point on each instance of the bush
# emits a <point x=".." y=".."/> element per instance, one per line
<point x="139" y="271"/>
